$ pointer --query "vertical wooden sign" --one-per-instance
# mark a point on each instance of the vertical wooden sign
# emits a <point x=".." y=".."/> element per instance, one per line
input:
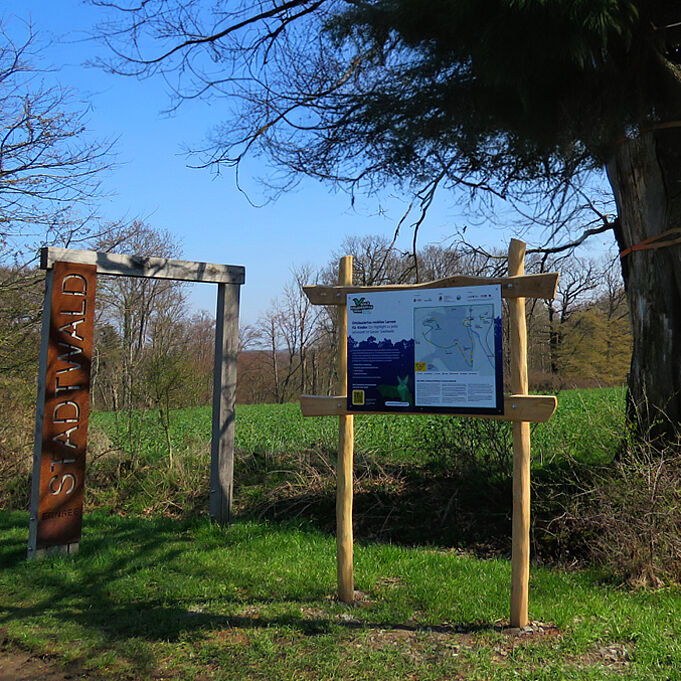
<point x="63" y="408"/>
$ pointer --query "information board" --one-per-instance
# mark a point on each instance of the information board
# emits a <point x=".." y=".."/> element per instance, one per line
<point x="426" y="350"/>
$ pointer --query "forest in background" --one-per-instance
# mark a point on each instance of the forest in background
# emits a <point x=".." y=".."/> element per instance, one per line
<point x="152" y="351"/>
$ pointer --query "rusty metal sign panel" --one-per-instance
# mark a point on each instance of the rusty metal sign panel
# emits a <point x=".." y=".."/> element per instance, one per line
<point x="67" y="404"/>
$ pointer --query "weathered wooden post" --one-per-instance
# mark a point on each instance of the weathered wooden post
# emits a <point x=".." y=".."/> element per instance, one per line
<point x="224" y="399"/>
<point x="344" y="466"/>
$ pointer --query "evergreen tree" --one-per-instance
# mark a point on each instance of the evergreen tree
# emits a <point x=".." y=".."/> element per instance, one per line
<point x="513" y="96"/>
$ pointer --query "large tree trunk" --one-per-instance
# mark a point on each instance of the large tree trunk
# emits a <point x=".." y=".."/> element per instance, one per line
<point x="645" y="174"/>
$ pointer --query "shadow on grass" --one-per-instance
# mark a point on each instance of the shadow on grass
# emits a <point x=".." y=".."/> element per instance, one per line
<point x="416" y="510"/>
<point x="467" y="507"/>
<point x="106" y="596"/>
<point x="403" y="504"/>
<point x="169" y="623"/>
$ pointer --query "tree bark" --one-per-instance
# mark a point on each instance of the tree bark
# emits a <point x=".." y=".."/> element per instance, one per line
<point x="645" y="174"/>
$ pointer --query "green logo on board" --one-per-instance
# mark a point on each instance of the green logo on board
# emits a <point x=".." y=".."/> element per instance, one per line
<point x="361" y="305"/>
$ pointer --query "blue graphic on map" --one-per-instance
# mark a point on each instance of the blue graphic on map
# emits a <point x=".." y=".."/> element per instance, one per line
<point x="384" y="373"/>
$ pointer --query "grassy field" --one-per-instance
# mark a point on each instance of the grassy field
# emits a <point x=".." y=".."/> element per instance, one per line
<point x="157" y="592"/>
<point x="167" y="599"/>
<point x="583" y="426"/>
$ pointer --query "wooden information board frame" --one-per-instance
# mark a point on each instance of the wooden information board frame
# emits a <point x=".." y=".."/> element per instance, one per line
<point x="59" y="456"/>
<point x="519" y="407"/>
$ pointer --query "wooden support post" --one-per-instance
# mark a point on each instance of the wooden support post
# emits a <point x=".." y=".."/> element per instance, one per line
<point x="224" y="396"/>
<point x="520" y="555"/>
<point x="344" y="467"/>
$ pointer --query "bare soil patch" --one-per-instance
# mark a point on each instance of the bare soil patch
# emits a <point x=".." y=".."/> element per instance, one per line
<point x="24" y="667"/>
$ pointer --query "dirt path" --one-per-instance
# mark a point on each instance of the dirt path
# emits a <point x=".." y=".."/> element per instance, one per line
<point x="23" y="667"/>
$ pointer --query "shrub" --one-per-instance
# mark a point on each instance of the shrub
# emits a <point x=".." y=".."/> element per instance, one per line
<point x="17" y="400"/>
<point x="467" y="447"/>
<point x="632" y="515"/>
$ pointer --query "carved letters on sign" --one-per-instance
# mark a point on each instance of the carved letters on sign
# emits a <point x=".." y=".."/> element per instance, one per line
<point x="67" y="405"/>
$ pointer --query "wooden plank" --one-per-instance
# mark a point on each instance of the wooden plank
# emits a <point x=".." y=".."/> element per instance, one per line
<point x="59" y="455"/>
<point x="529" y="286"/>
<point x="224" y="398"/>
<point x="534" y="408"/>
<point x="344" y="467"/>
<point x="136" y="266"/>
<point x="520" y="541"/>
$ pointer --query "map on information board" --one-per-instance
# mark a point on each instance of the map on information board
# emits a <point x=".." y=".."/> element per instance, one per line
<point x="428" y="350"/>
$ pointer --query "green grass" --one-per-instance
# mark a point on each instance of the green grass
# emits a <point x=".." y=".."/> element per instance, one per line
<point x="151" y="596"/>
<point x="584" y="425"/>
<point x="186" y="600"/>
<point x="588" y="424"/>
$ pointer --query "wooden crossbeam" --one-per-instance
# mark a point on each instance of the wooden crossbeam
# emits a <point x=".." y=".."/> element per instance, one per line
<point x="138" y="266"/>
<point x="525" y="286"/>
<point x="534" y="408"/>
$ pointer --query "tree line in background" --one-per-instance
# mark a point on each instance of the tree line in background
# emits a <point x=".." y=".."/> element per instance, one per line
<point x="153" y="352"/>
<point x="581" y="338"/>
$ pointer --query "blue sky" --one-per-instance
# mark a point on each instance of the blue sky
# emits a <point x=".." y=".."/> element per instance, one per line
<point x="212" y="218"/>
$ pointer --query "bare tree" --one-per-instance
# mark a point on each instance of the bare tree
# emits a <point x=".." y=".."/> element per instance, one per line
<point x="48" y="170"/>
<point x="579" y="279"/>
<point x="136" y="306"/>
<point x="292" y="337"/>
<point x="271" y="340"/>
<point x="375" y="261"/>
<point x="49" y="178"/>
<point x="47" y="164"/>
